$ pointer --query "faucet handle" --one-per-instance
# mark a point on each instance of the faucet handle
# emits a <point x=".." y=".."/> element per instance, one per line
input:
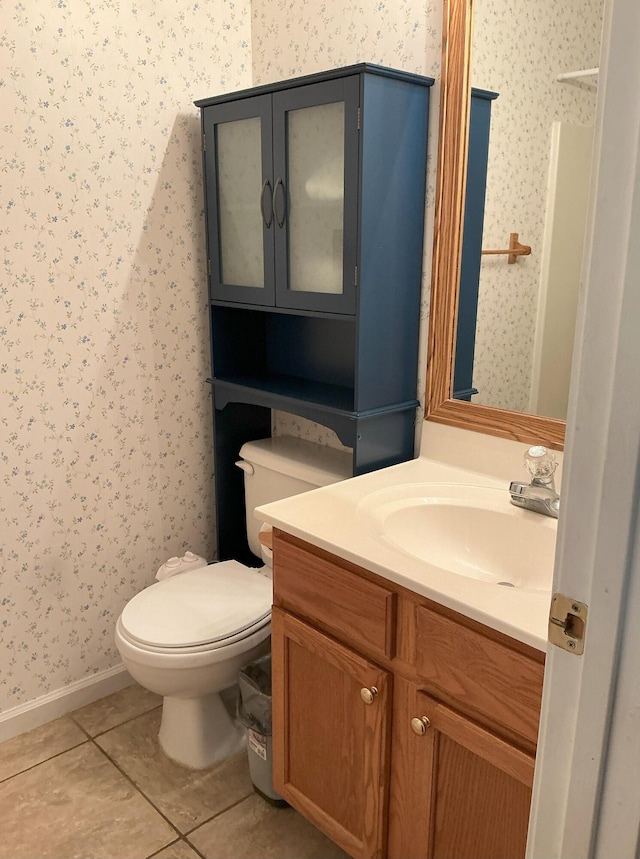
<point x="541" y="463"/>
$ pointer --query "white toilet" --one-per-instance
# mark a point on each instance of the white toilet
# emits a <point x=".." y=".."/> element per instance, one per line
<point x="186" y="637"/>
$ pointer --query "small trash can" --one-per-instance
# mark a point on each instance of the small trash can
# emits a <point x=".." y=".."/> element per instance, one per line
<point x="254" y="712"/>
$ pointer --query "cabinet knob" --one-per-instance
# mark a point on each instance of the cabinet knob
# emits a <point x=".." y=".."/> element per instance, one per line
<point x="419" y="725"/>
<point x="368" y="695"/>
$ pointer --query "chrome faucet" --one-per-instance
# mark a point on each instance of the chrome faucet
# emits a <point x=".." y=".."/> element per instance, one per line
<point x="540" y="495"/>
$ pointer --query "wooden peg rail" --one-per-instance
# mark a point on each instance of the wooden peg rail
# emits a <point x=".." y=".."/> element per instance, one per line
<point x="514" y="250"/>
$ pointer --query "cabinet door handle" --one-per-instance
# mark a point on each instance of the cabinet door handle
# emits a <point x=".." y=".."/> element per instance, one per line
<point x="266" y="184"/>
<point x="279" y="184"/>
<point x="368" y="695"/>
<point x="419" y="725"/>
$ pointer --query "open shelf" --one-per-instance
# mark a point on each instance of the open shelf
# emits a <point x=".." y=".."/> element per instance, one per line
<point x="298" y="358"/>
<point x="283" y="391"/>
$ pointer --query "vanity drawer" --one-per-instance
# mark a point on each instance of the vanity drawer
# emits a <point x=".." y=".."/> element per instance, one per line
<point x="338" y="599"/>
<point x="490" y="678"/>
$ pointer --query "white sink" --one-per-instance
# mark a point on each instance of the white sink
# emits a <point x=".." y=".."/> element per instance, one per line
<point x="472" y="531"/>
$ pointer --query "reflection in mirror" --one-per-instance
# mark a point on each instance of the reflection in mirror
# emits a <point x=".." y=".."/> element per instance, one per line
<point x="511" y="420"/>
<point x="519" y="311"/>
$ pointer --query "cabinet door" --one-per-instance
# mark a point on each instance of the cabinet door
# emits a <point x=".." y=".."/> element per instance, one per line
<point x="315" y="197"/>
<point x="457" y="790"/>
<point x="239" y="196"/>
<point x="330" y="747"/>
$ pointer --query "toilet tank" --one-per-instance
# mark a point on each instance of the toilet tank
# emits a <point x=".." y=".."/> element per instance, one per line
<point x="278" y="467"/>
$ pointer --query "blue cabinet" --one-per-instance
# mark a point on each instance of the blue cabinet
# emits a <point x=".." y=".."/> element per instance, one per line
<point x="282" y="178"/>
<point x="315" y="195"/>
<point x="477" y="159"/>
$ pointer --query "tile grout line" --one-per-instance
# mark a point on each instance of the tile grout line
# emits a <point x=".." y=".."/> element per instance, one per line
<point x="194" y="848"/>
<point x="173" y="843"/>
<point x="45" y="760"/>
<point x="137" y="789"/>
<point x="182" y="835"/>
<point x="89" y="738"/>
<point x="166" y="847"/>
<point x="113" y="727"/>
<point x="218" y="814"/>
<point x="84" y="730"/>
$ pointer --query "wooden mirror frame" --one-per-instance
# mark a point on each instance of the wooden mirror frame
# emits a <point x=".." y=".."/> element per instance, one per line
<point x="455" y="97"/>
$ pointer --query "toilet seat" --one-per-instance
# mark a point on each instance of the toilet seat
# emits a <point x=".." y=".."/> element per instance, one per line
<point x="193" y="649"/>
<point x="198" y="611"/>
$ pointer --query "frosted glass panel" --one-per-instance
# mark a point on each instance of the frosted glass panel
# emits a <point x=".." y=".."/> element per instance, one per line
<point x="316" y="197"/>
<point x="239" y="186"/>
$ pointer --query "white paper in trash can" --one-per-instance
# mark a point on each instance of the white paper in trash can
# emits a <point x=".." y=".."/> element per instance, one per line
<point x="254" y="700"/>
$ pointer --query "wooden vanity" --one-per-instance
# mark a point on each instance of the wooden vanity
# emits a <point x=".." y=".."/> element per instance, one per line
<point x="402" y="729"/>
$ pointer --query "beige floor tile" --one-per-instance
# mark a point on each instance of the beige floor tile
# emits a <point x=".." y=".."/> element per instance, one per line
<point x="179" y="850"/>
<point x="115" y="709"/>
<point x="38" y="745"/>
<point x="187" y="797"/>
<point x="256" y="829"/>
<point x="75" y="806"/>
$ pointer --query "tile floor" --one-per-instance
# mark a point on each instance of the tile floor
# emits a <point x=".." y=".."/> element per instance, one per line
<point x="96" y="785"/>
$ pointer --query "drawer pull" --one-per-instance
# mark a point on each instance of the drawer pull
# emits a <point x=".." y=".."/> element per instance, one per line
<point x="368" y="695"/>
<point x="419" y="726"/>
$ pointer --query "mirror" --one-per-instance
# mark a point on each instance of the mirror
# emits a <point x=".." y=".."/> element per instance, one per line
<point x="509" y="310"/>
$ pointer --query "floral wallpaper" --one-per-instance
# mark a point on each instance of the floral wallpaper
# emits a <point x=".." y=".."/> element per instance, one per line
<point x="303" y="37"/>
<point x="291" y="39"/>
<point x="105" y="416"/>
<point x="105" y="421"/>
<point x="519" y="49"/>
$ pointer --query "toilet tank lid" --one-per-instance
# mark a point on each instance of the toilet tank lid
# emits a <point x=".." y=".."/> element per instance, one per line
<point x="316" y="464"/>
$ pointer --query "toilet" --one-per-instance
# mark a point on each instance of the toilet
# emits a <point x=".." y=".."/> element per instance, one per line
<point x="187" y="636"/>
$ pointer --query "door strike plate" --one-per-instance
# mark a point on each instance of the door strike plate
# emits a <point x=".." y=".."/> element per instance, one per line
<point x="568" y="623"/>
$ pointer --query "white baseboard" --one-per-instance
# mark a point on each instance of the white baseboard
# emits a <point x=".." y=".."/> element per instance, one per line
<point x="62" y="701"/>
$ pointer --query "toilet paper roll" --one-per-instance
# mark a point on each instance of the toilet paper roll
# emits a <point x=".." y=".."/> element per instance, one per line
<point x="264" y="535"/>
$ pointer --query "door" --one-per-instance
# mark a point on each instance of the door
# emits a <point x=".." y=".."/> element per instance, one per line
<point x="315" y="195"/>
<point x="239" y="200"/>
<point x="587" y="793"/>
<point x="457" y="790"/>
<point x="331" y="716"/>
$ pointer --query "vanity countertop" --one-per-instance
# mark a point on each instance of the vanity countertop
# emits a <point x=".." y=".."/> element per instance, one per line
<point x="332" y="519"/>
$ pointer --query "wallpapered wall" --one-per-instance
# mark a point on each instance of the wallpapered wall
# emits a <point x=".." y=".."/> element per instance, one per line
<point x="105" y="427"/>
<point x="105" y="424"/>
<point x="519" y="49"/>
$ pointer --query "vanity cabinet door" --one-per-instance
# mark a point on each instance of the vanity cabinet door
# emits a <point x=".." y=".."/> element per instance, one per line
<point x="331" y="735"/>
<point x="457" y="790"/>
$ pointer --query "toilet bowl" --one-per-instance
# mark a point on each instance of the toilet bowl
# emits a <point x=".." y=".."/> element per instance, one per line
<point x="186" y="637"/>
